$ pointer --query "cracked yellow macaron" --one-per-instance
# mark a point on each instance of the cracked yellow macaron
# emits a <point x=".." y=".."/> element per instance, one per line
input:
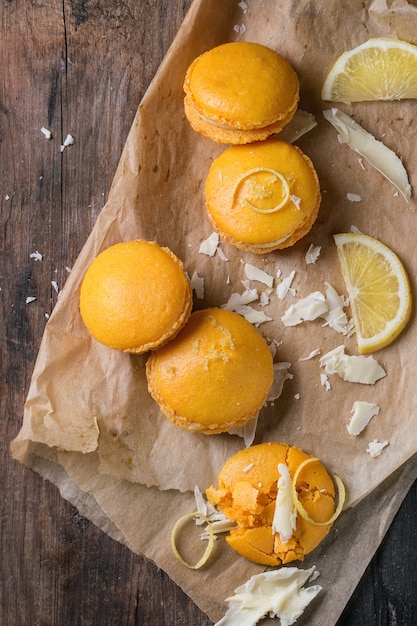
<point x="263" y="196"/>
<point x="281" y="499"/>
<point x="240" y="92"/>
<point x="215" y="375"/>
<point x="135" y="296"/>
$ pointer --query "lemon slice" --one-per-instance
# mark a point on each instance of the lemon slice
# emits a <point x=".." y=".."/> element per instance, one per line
<point x="378" y="288"/>
<point x="379" y="69"/>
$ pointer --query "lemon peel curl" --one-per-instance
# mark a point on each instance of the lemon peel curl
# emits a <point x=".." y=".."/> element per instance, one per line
<point x="301" y="510"/>
<point x="206" y="555"/>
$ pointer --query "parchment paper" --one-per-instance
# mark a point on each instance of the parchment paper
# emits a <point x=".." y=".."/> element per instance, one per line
<point x="90" y="425"/>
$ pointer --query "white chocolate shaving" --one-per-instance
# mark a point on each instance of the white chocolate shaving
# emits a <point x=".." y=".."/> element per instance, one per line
<point x="354" y="369"/>
<point x="362" y="413"/>
<point x="209" y="245"/>
<point x="375" y="152"/>
<point x="275" y="593"/>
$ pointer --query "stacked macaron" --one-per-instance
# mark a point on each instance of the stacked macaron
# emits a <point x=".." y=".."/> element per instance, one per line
<point x="260" y="195"/>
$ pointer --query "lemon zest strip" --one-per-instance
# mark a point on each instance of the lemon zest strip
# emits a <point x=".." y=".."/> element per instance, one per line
<point x="210" y="543"/>
<point x="280" y="176"/>
<point x="341" y="492"/>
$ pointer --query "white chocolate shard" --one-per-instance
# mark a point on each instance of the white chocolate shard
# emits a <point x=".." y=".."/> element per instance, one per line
<point x="375" y="152"/>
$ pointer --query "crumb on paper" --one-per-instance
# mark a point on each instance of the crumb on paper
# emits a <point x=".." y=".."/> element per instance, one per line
<point x="264" y="298"/>
<point x="307" y="309"/>
<point x="197" y="284"/>
<point x="352" y="368"/>
<point x="329" y="307"/>
<point x="376" y="447"/>
<point x="312" y="354"/>
<point x="361" y="414"/>
<point x="252" y="315"/>
<point x="300" y="124"/>
<point x="243" y="5"/>
<point x="284" y="286"/>
<point x="240" y="299"/>
<point x="312" y="254"/>
<point x="324" y="381"/>
<point x="221" y="254"/>
<point x="255" y="273"/>
<point x="281" y="374"/>
<point x="336" y="317"/>
<point x="239" y="28"/>
<point x="209" y="245"/>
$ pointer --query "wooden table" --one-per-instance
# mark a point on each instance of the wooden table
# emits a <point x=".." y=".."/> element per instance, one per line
<point x="81" y="68"/>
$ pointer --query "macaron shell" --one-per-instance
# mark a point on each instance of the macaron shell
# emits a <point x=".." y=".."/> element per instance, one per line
<point x="135" y="296"/>
<point x="240" y="181"/>
<point x="214" y="375"/>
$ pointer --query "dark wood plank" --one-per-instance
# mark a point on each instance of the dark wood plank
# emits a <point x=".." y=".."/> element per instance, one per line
<point x="81" y="68"/>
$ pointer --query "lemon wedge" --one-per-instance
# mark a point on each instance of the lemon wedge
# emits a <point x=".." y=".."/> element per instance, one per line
<point x="379" y="69"/>
<point x="378" y="288"/>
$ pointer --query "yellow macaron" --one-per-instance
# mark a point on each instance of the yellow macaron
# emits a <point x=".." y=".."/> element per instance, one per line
<point x="215" y="375"/>
<point x="263" y="196"/>
<point x="248" y="492"/>
<point x="240" y="92"/>
<point x="135" y="296"/>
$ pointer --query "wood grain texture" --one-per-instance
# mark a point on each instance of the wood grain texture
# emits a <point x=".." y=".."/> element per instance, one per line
<point x="81" y="67"/>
